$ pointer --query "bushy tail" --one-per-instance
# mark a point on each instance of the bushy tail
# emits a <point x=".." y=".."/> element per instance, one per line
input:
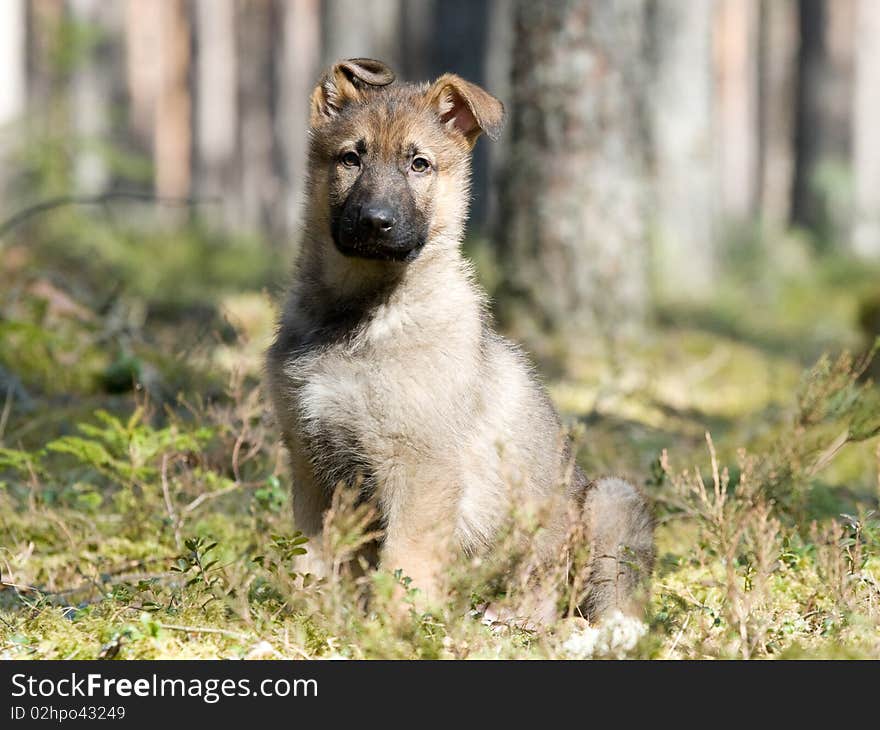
<point x="621" y="533"/>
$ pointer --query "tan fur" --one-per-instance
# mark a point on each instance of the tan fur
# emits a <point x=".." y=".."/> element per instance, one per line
<point x="389" y="374"/>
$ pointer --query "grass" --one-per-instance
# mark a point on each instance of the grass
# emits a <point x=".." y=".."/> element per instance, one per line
<point x="153" y="521"/>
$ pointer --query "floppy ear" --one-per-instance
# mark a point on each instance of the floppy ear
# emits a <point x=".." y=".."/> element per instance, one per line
<point x="466" y="108"/>
<point x="344" y="82"/>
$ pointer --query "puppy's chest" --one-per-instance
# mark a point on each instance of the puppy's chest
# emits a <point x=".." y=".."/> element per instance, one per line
<point x="376" y="402"/>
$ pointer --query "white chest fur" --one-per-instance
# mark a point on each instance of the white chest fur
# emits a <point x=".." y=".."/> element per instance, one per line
<point x="391" y="386"/>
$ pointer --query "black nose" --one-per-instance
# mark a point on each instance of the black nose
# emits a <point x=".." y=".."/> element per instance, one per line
<point x="376" y="219"/>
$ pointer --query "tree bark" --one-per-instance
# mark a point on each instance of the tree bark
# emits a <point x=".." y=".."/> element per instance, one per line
<point x="573" y="218"/>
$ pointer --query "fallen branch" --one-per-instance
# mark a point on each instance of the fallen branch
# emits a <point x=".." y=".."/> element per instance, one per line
<point x="64" y="200"/>
<point x="21" y="587"/>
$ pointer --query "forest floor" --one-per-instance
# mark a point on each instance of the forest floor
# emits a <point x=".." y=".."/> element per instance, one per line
<point x="154" y="522"/>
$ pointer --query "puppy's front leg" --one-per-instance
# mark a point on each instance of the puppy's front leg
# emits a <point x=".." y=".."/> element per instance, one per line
<point x="419" y="511"/>
<point x="310" y="502"/>
<point x="418" y="560"/>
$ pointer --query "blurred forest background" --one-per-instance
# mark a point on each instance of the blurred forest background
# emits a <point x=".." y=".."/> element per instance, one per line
<point x="682" y="215"/>
<point x="650" y="142"/>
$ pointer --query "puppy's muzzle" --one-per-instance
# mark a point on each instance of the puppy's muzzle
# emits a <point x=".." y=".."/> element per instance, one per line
<point x="373" y="230"/>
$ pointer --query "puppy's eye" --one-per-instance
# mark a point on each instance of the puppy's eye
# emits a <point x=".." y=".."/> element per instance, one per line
<point x="420" y="164"/>
<point x="351" y="159"/>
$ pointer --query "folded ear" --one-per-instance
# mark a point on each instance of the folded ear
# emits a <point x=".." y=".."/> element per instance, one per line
<point x="465" y="108"/>
<point x="344" y="82"/>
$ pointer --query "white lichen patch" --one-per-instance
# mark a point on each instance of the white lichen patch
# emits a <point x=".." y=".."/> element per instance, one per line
<point x="613" y="638"/>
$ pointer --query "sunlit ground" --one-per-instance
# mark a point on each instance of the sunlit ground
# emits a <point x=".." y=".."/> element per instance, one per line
<point x="155" y="522"/>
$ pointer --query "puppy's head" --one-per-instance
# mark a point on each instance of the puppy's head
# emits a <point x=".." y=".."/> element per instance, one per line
<point x="390" y="163"/>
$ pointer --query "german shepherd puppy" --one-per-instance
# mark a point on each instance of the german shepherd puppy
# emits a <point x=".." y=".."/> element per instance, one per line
<point x="386" y="371"/>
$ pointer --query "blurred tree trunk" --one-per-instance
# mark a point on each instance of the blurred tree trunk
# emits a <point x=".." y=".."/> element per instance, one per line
<point x="352" y="28"/>
<point x="13" y="35"/>
<point x="685" y="245"/>
<point x="572" y="217"/>
<point x="866" y="131"/>
<point x="823" y="114"/>
<point x="259" y="187"/>
<point x="298" y="70"/>
<point x="13" y="89"/>
<point x="172" y="129"/>
<point x="216" y="101"/>
<point x="417" y="35"/>
<point x="499" y="57"/>
<point x="143" y="41"/>
<point x="48" y="110"/>
<point x="806" y="204"/>
<point x="461" y="33"/>
<point x="736" y="53"/>
<point x="95" y="90"/>
<point x="777" y="62"/>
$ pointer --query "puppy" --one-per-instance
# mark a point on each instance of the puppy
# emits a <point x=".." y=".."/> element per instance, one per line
<point x="386" y="373"/>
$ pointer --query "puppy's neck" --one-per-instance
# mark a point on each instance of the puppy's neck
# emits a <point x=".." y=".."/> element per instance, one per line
<point x="348" y="280"/>
<point x="330" y="284"/>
